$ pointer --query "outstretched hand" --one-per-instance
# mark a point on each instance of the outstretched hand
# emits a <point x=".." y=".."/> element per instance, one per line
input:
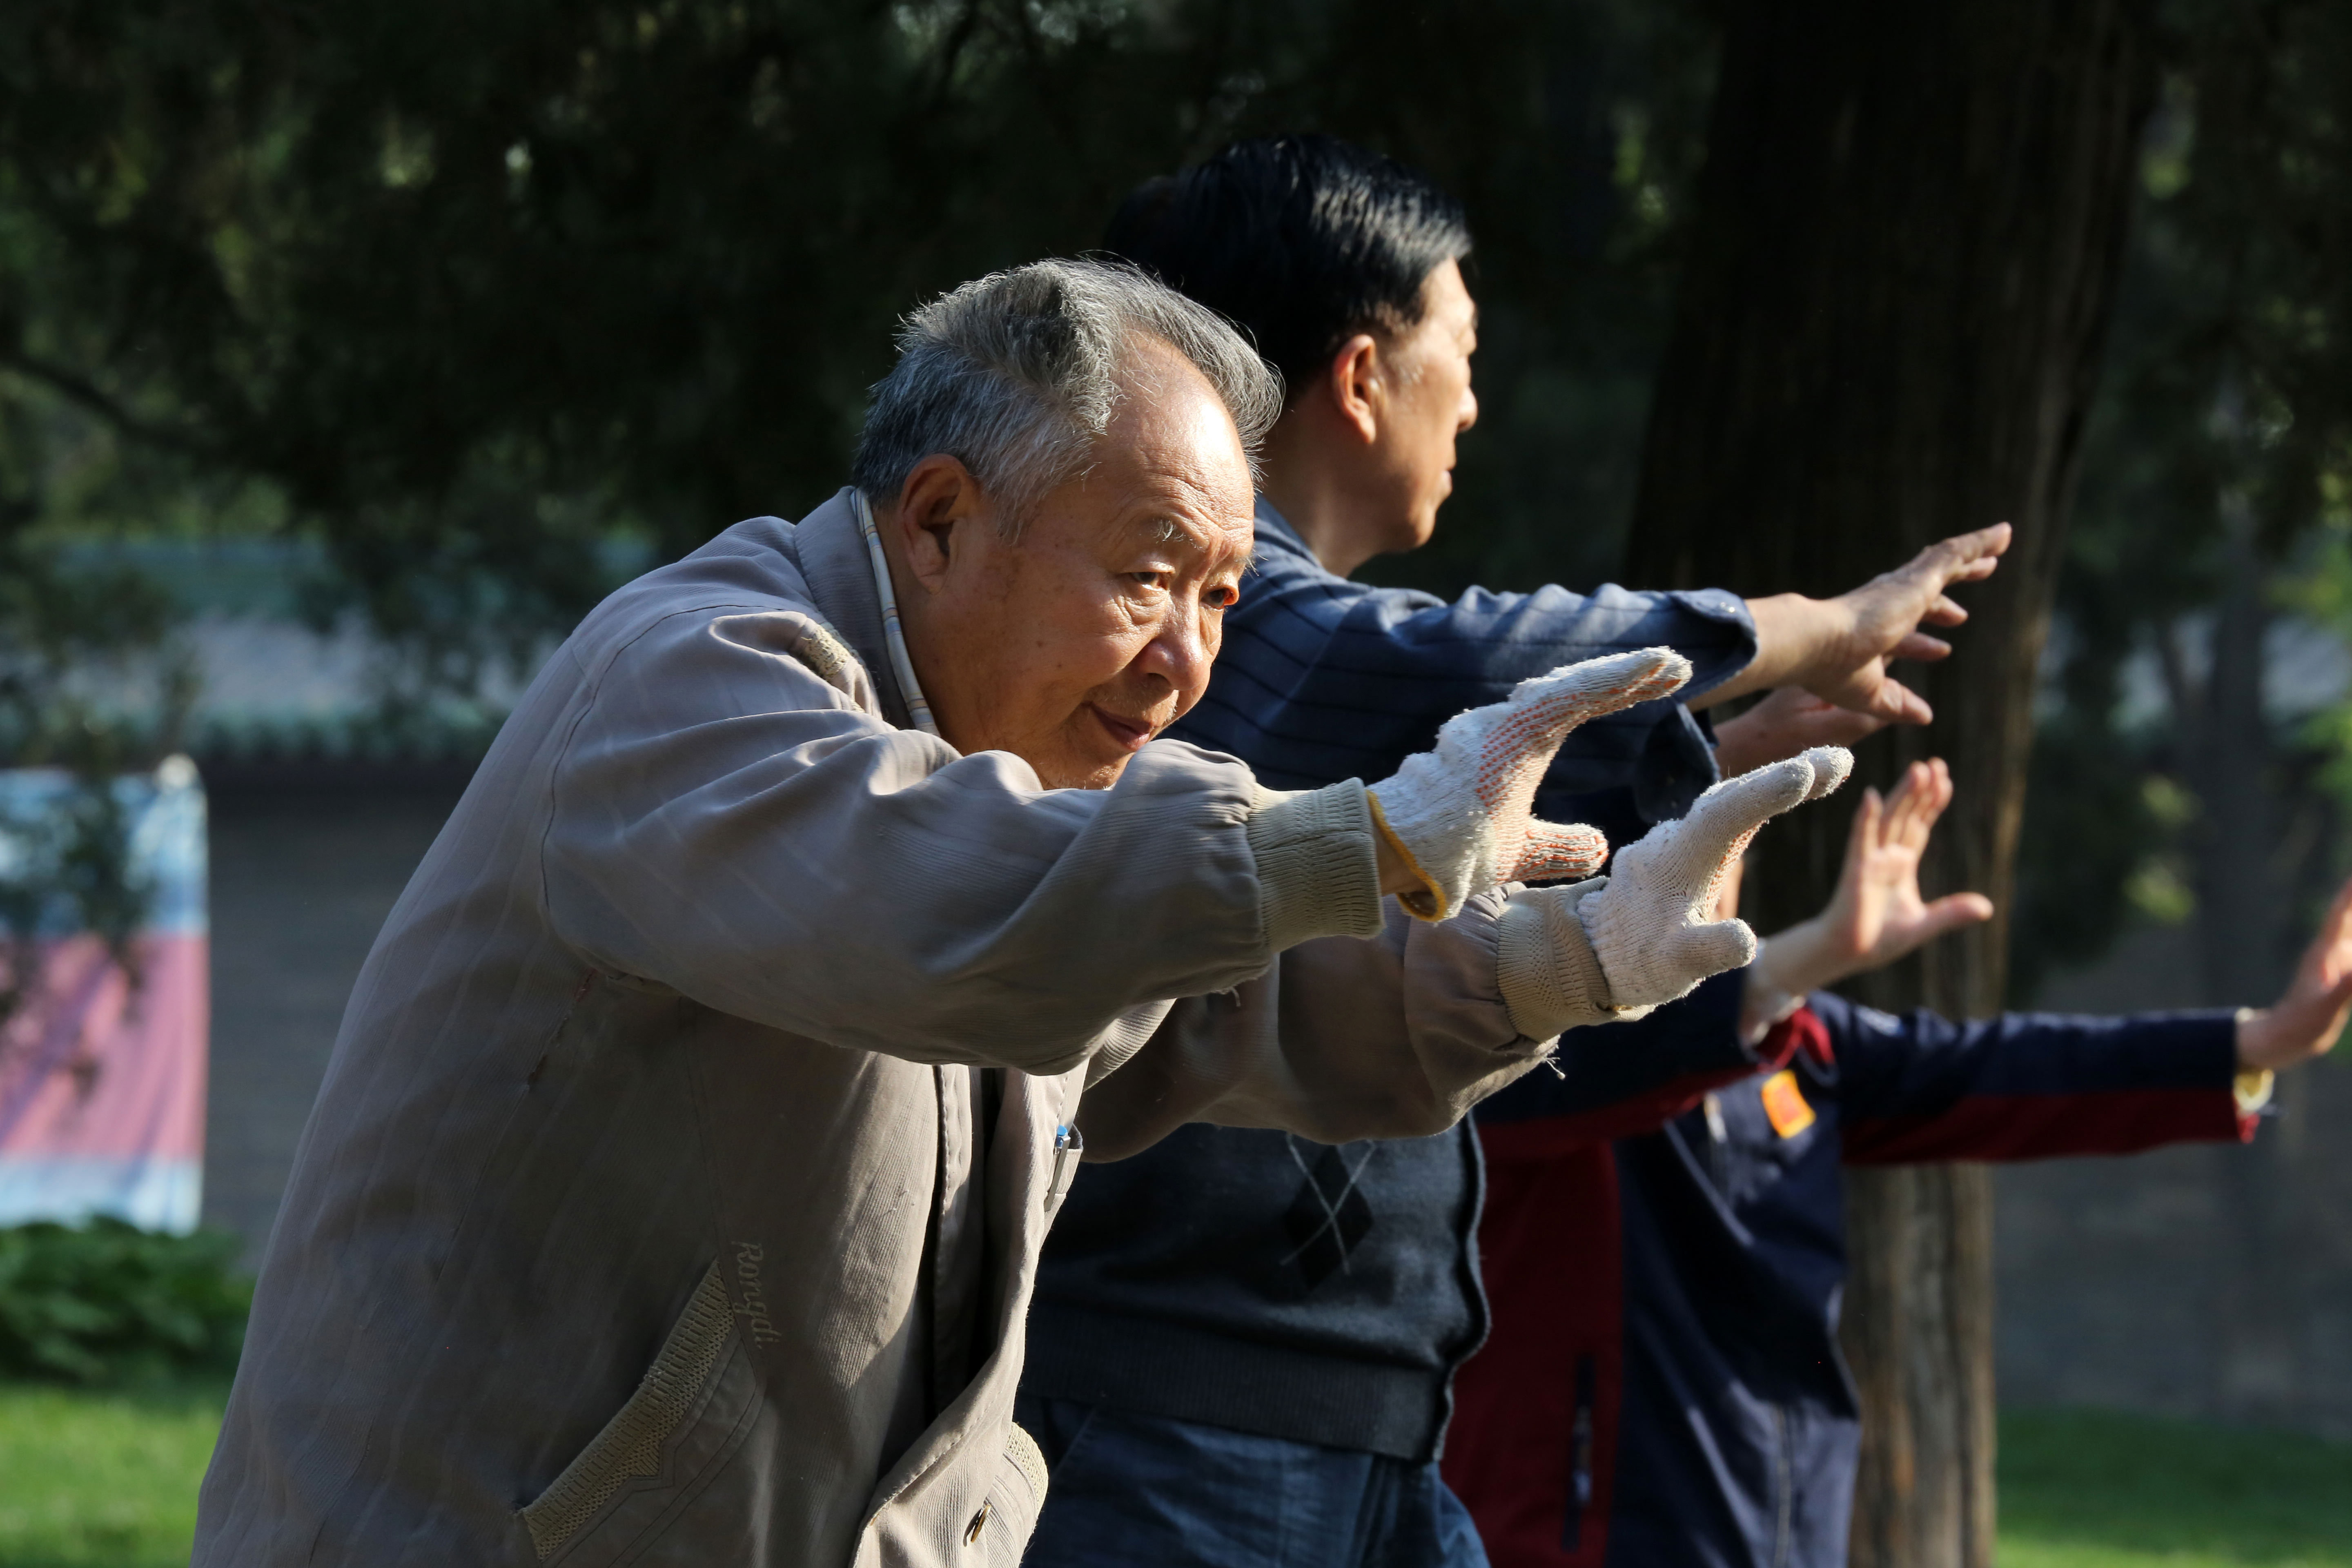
<point x="1654" y="927"/>
<point x="1459" y="819"/>
<point x="1882" y="621"/>
<point x="1877" y="914"/>
<point x="1788" y="721"/>
<point x="2304" y="1022"/>
<point x="1838" y="648"/>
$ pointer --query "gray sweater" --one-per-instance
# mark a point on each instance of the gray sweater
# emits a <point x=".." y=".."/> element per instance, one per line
<point x="677" y="1186"/>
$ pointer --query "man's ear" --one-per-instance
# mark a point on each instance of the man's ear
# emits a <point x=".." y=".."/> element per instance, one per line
<point x="939" y="496"/>
<point x="1355" y="380"/>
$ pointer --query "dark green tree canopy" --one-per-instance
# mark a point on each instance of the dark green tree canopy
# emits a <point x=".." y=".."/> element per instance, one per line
<point x="471" y="285"/>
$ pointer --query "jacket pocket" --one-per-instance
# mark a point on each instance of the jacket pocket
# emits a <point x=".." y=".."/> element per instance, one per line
<point x="1000" y="1531"/>
<point x="630" y="1448"/>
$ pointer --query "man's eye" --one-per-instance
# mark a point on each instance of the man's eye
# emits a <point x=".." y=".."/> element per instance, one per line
<point x="1224" y="597"/>
<point x="1158" y="580"/>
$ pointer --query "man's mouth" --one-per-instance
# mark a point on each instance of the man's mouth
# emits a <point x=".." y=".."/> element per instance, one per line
<point x="1131" y="733"/>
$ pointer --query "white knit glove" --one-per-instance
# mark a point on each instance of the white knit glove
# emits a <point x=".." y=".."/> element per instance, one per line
<point x="1648" y="925"/>
<point x="1461" y="813"/>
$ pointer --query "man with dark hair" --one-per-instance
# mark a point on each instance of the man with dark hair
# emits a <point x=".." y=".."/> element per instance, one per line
<point x="1243" y="1341"/>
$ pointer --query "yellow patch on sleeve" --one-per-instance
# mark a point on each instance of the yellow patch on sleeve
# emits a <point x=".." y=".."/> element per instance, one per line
<point x="1784" y="1104"/>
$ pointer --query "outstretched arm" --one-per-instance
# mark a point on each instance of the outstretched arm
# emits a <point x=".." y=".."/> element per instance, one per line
<point x="2022" y="1085"/>
<point x="1398" y="1036"/>
<point x="1878" y="916"/>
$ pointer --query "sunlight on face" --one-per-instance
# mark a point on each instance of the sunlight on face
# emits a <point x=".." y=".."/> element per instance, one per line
<point x="1432" y="403"/>
<point x="1074" y="645"/>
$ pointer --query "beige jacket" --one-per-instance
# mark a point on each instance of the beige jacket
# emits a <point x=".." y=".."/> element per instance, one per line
<point x="645" y="1216"/>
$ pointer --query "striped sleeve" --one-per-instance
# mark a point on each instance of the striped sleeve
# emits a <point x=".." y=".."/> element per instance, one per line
<point x="1321" y="678"/>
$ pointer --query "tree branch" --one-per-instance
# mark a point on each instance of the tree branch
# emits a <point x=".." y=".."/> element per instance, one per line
<point x="80" y="390"/>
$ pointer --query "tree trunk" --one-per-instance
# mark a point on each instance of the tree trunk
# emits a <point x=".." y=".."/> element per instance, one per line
<point x="1907" y="238"/>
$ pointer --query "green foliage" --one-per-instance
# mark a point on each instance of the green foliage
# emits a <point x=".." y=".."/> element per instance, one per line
<point x="2087" y="833"/>
<point x="2262" y="225"/>
<point x="472" y="287"/>
<point x="2218" y="452"/>
<point x="109" y="1303"/>
<point x="85" y="683"/>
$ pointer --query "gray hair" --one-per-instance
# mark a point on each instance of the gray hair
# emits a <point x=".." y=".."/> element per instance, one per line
<point x="1016" y="375"/>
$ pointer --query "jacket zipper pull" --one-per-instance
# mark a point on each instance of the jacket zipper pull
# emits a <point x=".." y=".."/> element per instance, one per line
<point x="1069" y="1144"/>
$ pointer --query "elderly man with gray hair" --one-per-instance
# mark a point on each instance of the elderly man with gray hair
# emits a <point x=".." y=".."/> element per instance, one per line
<point x="676" y="1189"/>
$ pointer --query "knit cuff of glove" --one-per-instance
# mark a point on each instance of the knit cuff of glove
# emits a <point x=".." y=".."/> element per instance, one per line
<point x="1545" y="966"/>
<point x="1318" y="871"/>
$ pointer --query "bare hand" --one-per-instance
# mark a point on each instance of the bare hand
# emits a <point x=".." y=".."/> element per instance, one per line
<point x="1838" y="648"/>
<point x="1883" y="618"/>
<point x="1877" y="914"/>
<point x="1790" y="720"/>
<point x="2304" y="1022"/>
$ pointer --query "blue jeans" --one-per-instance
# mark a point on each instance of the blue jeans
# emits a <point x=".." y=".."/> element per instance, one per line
<point x="1145" y="1491"/>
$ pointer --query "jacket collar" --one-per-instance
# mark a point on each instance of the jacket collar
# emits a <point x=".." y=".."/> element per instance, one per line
<point x="839" y="572"/>
<point x="1274" y="528"/>
<point x="894" y="634"/>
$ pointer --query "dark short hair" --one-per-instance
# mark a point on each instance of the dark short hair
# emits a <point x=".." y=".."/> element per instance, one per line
<point x="1303" y="241"/>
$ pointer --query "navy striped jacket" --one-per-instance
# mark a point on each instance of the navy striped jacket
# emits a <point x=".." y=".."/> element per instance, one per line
<point x="1322" y="680"/>
<point x="1255" y="1280"/>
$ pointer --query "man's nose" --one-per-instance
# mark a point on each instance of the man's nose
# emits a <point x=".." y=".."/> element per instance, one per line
<point x="1469" y="410"/>
<point x="1181" y="651"/>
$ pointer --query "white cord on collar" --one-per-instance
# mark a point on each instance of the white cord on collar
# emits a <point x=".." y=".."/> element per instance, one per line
<point x="904" y="668"/>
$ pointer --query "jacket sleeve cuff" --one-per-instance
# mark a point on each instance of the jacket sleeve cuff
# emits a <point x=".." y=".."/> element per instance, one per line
<point x="1550" y="980"/>
<point x="1318" y="871"/>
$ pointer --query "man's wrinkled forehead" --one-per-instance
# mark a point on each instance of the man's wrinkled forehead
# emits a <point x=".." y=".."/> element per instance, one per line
<point x="1174" y="449"/>
<point x="1226" y="543"/>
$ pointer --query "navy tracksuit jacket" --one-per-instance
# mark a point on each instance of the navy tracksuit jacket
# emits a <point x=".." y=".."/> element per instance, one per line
<point x="1662" y="1386"/>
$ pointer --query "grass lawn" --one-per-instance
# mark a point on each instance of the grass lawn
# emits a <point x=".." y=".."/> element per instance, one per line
<point x="2080" y="1490"/>
<point x="98" y="1481"/>
<point x="91" y="1480"/>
